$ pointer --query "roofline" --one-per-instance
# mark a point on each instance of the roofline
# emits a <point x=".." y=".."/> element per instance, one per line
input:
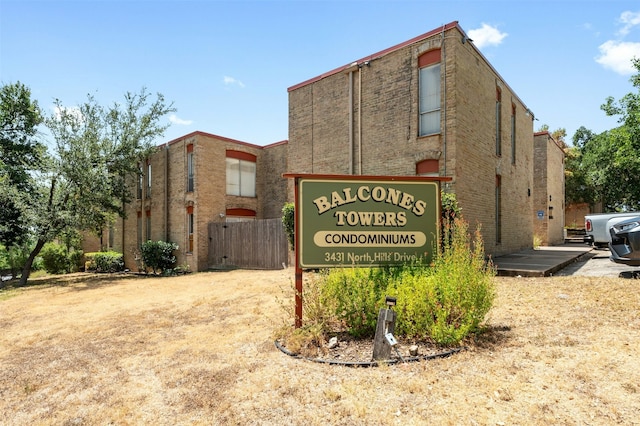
<point x="431" y="33"/>
<point x="446" y="27"/>
<point x="550" y="136"/>
<point x="225" y="139"/>
<point x="282" y="142"/>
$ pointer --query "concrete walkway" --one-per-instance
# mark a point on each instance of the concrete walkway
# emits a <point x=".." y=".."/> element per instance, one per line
<point x="542" y="262"/>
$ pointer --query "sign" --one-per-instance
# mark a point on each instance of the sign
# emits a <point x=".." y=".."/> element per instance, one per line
<point x="540" y="214"/>
<point x="366" y="221"/>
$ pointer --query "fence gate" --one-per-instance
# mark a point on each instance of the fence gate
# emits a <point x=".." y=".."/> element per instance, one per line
<point x="255" y="244"/>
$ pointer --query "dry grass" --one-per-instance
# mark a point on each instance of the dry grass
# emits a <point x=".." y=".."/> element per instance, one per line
<point x="199" y="350"/>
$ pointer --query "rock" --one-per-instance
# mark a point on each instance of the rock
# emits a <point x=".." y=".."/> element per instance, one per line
<point x="413" y="350"/>
<point x="333" y="343"/>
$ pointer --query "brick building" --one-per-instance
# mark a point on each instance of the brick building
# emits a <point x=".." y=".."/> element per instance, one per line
<point x="548" y="189"/>
<point x="195" y="180"/>
<point x="432" y="105"/>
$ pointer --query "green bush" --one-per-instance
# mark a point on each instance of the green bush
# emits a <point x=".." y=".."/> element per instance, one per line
<point x="464" y="289"/>
<point x="104" y="261"/>
<point x="354" y="294"/>
<point x="158" y="255"/>
<point x="444" y="301"/>
<point x="57" y="259"/>
<point x="4" y="258"/>
<point x="288" y="221"/>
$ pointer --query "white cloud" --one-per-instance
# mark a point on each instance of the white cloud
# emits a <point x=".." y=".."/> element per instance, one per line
<point x="228" y="81"/>
<point x="179" y="121"/>
<point x="486" y="36"/>
<point x="630" y="20"/>
<point x="617" y="56"/>
<point x="74" y="112"/>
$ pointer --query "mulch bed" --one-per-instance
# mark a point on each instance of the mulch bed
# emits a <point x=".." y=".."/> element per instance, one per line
<point x="359" y="352"/>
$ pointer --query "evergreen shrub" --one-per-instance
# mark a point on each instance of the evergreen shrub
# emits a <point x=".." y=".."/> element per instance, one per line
<point x="158" y="255"/>
<point x="58" y="259"/>
<point x="104" y="261"/>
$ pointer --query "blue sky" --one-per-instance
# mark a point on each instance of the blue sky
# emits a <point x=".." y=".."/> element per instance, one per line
<point x="227" y="65"/>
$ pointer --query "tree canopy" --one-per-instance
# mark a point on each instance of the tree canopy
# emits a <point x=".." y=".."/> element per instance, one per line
<point x="20" y="154"/>
<point x="605" y="167"/>
<point x="81" y="183"/>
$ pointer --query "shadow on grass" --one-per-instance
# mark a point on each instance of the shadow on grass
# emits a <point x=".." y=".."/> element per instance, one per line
<point x="90" y="280"/>
<point x="491" y="337"/>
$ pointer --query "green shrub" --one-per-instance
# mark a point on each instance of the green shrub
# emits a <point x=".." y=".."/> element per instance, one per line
<point x="414" y="290"/>
<point x="57" y="259"/>
<point x="444" y="301"/>
<point x="288" y="221"/>
<point x="356" y="294"/>
<point x="463" y="285"/>
<point x="158" y="255"/>
<point x="104" y="261"/>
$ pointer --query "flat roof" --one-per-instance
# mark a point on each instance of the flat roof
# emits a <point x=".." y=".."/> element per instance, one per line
<point x="222" y="138"/>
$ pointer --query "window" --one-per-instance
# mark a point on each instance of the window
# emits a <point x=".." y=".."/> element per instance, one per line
<point x="148" y="191"/>
<point x="112" y="232"/>
<point x="498" y="121"/>
<point x="241" y="174"/>
<point x="498" y="209"/>
<point x="513" y="134"/>
<point x="190" y="228"/>
<point x="139" y="229"/>
<point x="190" y="168"/>
<point x="139" y="184"/>
<point x="429" y="86"/>
<point x="148" y="225"/>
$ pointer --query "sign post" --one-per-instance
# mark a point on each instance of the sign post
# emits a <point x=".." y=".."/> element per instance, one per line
<point x="363" y="221"/>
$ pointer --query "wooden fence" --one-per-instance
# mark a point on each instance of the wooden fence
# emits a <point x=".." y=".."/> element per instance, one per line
<point x="256" y="244"/>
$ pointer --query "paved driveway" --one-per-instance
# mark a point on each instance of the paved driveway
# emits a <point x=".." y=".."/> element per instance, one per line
<point x="596" y="264"/>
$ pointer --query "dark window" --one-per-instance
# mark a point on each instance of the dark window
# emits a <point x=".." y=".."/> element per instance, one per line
<point x="139" y="184"/>
<point x="513" y="134"/>
<point x="190" y="229"/>
<point x="498" y="121"/>
<point x="148" y="191"/>
<point x="498" y="209"/>
<point x="190" y="168"/>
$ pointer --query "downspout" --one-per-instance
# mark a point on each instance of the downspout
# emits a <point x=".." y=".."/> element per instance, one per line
<point x="166" y="193"/>
<point x="444" y="114"/>
<point x="360" y="120"/>
<point x="124" y="207"/>
<point x="351" y="141"/>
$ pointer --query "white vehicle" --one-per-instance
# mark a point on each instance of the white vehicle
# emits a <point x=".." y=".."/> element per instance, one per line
<point x="597" y="227"/>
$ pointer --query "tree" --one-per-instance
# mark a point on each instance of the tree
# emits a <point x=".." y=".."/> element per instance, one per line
<point x="610" y="160"/>
<point x="628" y="108"/>
<point x="605" y="168"/>
<point x="20" y="154"/>
<point x="612" y="170"/>
<point x="82" y="184"/>
<point x="558" y="135"/>
<point x="578" y="188"/>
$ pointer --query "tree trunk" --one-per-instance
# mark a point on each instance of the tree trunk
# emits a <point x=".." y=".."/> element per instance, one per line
<point x="26" y="271"/>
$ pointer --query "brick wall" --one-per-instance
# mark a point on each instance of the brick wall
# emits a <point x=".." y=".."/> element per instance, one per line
<point x="169" y="201"/>
<point x="548" y="189"/>
<point x="382" y="120"/>
<point x="271" y="187"/>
